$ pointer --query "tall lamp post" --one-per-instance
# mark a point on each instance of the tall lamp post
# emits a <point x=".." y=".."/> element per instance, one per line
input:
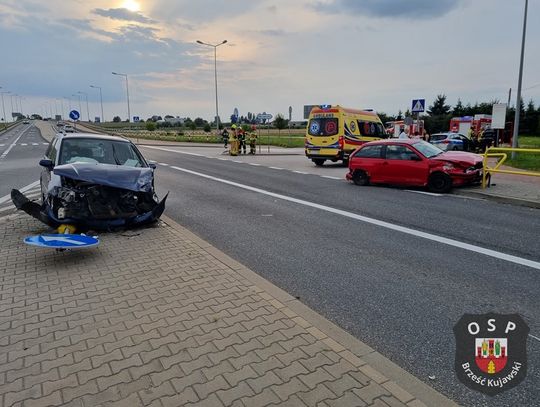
<point x="215" y="76"/>
<point x="518" y="102"/>
<point x="12" y="111"/>
<point x="80" y="108"/>
<point x="87" y="109"/>
<point x="100" y="100"/>
<point x="4" y="107"/>
<point x="127" y="92"/>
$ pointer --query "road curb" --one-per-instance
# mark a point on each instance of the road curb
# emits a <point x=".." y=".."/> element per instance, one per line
<point x="344" y="343"/>
<point x="499" y="198"/>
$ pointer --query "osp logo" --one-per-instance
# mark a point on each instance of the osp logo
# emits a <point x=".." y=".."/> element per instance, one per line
<point x="491" y="351"/>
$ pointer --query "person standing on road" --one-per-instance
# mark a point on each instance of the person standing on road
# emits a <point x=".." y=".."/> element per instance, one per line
<point x="225" y="137"/>
<point x="253" y="140"/>
<point x="233" y="141"/>
<point x="404" y="133"/>
<point x="242" y="141"/>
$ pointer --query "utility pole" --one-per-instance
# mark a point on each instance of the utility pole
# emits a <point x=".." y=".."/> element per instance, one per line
<point x="515" y="135"/>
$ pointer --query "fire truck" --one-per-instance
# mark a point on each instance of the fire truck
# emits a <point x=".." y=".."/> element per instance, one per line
<point x="394" y="128"/>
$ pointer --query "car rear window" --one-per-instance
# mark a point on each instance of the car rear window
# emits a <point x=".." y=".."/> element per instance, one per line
<point x="323" y="127"/>
<point x="438" y="137"/>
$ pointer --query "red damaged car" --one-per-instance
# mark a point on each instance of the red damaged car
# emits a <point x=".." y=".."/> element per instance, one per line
<point x="413" y="162"/>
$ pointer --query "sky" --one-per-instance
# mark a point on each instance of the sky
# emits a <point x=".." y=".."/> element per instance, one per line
<point x="377" y="54"/>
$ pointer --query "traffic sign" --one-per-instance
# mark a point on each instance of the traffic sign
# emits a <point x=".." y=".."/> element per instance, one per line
<point x="418" y="105"/>
<point x="74" y="115"/>
<point x="62" y="241"/>
<point x="136" y="119"/>
<point x="264" y="116"/>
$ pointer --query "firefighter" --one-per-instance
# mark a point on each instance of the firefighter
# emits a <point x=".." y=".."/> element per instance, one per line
<point x="233" y="141"/>
<point x="241" y="141"/>
<point x="225" y="137"/>
<point x="253" y="140"/>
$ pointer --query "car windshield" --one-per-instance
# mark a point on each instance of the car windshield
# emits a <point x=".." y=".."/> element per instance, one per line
<point x="428" y="150"/>
<point x="92" y="150"/>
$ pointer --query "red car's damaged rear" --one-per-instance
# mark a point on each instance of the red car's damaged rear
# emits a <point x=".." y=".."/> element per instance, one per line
<point x="413" y="163"/>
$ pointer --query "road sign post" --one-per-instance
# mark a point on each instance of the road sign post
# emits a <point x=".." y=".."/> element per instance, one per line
<point x="289" y="125"/>
<point x="266" y="116"/>
<point x="74" y="115"/>
<point x="418" y="106"/>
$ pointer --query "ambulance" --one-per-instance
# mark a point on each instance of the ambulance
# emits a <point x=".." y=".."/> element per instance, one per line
<point x="334" y="132"/>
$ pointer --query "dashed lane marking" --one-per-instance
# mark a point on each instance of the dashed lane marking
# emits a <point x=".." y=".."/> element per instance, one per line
<point x="424" y="192"/>
<point x="276" y="168"/>
<point x="330" y="177"/>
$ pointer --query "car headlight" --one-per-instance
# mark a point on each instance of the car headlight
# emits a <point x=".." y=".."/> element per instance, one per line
<point x="448" y="167"/>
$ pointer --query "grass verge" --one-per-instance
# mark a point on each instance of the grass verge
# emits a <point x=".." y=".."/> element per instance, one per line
<point x="527" y="161"/>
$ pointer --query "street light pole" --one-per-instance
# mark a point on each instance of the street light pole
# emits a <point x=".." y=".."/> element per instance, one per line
<point x="4" y="107"/>
<point x="12" y="106"/>
<point x="80" y="108"/>
<point x="100" y="100"/>
<point x="515" y="143"/>
<point x="127" y="92"/>
<point x="87" y="109"/>
<point x="215" y="77"/>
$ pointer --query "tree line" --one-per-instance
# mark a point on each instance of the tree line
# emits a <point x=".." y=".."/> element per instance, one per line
<point x="439" y="114"/>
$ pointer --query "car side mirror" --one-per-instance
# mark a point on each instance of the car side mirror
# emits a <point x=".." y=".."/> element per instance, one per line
<point x="152" y="164"/>
<point x="47" y="163"/>
<point x="415" y="158"/>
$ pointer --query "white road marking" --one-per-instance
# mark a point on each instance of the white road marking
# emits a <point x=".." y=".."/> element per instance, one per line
<point x="7" y="197"/>
<point x="10" y="147"/>
<point x="237" y="161"/>
<point x="35" y="144"/>
<point x="330" y="177"/>
<point x="164" y="164"/>
<point x="2" y="145"/>
<point x="223" y="159"/>
<point x="45" y="144"/>
<point x="301" y="172"/>
<point x="535" y="337"/>
<point x="255" y="164"/>
<point x="424" y="192"/>
<point x="424" y="235"/>
<point x="7" y="208"/>
<point x="23" y="144"/>
<point x="276" y="168"/>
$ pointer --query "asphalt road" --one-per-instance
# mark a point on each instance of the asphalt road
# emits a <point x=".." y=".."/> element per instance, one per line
<point x="399" y="293"/>
<point x="21" y="148"/>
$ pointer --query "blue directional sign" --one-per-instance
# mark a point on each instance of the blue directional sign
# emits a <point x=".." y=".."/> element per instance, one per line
<point x="74" y="115"/>
<point x="62" y="241"/>
<point x="418" y="105"/>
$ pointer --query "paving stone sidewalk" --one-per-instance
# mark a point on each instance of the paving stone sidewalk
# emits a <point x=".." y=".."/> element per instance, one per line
<point x="158" y="317"/>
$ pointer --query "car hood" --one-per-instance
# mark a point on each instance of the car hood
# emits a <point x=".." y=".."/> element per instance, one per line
<point x="459" y="157"/>
<point x="117" y="176"/>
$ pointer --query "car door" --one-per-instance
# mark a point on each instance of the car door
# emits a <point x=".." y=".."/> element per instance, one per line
<point x="403" y="166"/>
<point x="51" y="154"/>
<point x="369" y="159"/>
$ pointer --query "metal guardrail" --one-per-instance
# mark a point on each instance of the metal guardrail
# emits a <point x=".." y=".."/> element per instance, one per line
<point x="501" y="152"/>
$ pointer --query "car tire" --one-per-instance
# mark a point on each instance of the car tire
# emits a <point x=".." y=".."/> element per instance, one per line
<point x="439" y="182"/>
<point x="319" y="162"/>
<point x="360" y="178"/>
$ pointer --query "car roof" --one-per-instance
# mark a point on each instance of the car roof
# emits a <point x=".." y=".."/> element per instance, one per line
<point x="395" y="140"/>
<point x="92" y="136"/>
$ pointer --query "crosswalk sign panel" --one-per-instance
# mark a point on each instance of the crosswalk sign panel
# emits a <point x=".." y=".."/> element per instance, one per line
<point x="418" y="105"/>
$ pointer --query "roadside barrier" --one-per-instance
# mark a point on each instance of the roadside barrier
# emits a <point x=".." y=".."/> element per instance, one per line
<point x="500" y="152"/>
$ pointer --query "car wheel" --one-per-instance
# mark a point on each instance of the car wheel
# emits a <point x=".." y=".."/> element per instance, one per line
<point x="439" y="182"/>
<point x="319" y="162"/>
<point x="360" y="178"/>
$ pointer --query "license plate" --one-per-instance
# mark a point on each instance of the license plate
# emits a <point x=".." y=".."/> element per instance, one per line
<point x="316" y="152"/>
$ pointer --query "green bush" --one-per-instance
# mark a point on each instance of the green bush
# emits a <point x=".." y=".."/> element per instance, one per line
<point x="150" y="126"/>
<point x="207" y="128"/>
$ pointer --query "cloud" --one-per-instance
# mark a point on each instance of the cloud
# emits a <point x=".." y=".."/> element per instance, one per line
<point x="390" y="8"/>
<point x="123" y="14"/>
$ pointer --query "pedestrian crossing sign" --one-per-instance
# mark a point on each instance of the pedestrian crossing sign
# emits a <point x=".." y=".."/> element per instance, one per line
<point x="418" y="105"/>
